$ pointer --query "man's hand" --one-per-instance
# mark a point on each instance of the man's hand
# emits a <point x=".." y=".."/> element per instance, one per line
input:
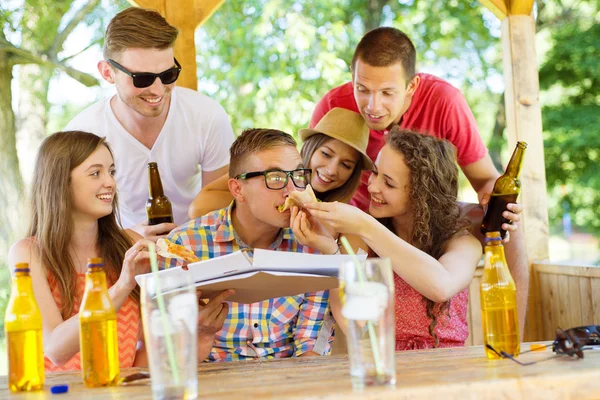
<point x="154" y="232"/>
<point x="513" y="214"/>
<point x="212" y="314"/>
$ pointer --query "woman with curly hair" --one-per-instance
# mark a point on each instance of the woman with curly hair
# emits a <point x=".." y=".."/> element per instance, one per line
<point x="415" y="221"/>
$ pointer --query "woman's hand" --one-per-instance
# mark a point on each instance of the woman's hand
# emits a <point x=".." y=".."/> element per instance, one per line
<point x="135" y="262"/>
<point x="341" y="217"/>
<point x="308" y="231"/>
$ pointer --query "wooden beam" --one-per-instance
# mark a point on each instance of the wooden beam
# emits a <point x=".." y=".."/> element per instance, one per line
<point x="524" y="123"/>
<point x="206" y="8"/>
<point x="497" y="7"/>
<point x="181" y="14"/>
<point x="185" y="15"/>
<point x="520" y="7"/>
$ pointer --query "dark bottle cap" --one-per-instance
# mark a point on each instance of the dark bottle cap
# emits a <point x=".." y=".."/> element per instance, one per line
<point x="95" y="262"/>
<point x="491" y="236"/>
<point x="22" y="267"/>
<point x="58" y="389"/>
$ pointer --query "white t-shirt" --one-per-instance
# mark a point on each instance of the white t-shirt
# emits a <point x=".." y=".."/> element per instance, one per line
<point x="196" y="137"/>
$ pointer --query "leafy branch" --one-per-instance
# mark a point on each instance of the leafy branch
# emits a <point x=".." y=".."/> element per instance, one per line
<point x="21" y="56"/>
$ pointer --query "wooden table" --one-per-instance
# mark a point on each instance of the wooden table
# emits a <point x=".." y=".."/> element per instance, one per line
<point x="462" y="373"/>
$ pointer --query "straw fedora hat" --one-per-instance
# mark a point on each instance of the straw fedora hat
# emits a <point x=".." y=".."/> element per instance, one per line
<point x="346" y="126"/>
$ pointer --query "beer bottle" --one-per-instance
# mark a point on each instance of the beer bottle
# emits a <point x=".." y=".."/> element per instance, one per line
<point x="23" y="328"/>
<point x="98" y="330"/>
<point x="506" y="190"/>
<point x="158" y="206"/>
<point x="498" y="301"/>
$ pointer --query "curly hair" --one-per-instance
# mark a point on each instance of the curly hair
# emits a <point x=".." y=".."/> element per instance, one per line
<point x="433" y="198"/>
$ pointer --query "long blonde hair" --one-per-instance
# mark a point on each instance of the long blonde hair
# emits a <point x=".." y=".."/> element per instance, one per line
<point x="52" y="207"/>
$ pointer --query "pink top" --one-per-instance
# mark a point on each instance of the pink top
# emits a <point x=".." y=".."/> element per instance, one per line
<point x="128" y="324"/>
<point x="412" y="323"/>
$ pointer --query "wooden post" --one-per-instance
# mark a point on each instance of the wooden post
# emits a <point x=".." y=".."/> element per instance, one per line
<point x="185" y="15"/>
<point x="524" y="123"/>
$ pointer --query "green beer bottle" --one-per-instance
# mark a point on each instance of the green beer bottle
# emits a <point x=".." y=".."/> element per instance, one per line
<point x="158" y="206"/>
<point x="506" y="190"/>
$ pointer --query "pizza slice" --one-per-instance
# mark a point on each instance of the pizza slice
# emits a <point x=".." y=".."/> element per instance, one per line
<point x="297" y="198"/>
<point x="169" y="249"/>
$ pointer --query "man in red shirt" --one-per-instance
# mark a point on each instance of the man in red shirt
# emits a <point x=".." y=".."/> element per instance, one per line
<point x="386" y="91"/>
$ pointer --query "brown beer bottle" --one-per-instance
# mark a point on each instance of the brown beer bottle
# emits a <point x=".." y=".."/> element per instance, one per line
<point x="506" y="190"/>
<point x="158" y="206"/>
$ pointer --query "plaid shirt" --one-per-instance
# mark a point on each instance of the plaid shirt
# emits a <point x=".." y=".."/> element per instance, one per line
<point x="275" y="328"/>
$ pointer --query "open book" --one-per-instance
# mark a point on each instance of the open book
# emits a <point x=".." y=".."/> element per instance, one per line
<point x="271" y="274"/>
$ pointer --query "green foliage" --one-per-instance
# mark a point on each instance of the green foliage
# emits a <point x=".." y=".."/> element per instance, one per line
<point x="571" y="121"/>
<point x="4" y="294"/>
<point x="269" y="62"/>
<point x="573" y="62"/>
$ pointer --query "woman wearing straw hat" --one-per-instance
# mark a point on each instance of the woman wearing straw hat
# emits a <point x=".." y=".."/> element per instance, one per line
<point x="335" y="150"/>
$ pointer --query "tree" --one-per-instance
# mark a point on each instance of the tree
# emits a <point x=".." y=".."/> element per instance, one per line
<point x="268" y="62"/>
<point x="32" y="37"/>
<point x="571" y="116"/>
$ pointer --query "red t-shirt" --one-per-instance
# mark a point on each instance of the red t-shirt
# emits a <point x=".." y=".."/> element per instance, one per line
<point x="437" y="108"/>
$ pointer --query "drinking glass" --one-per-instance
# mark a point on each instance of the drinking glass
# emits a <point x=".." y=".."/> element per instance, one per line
<point x="170" y="321"/>
<point x="367" y="298"/>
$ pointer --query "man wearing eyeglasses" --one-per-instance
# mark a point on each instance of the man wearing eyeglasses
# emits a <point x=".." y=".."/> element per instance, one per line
<point x="265" y="168"/>
<point x="151" y="120"/>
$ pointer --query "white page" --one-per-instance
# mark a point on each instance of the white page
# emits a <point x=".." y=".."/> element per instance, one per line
<point x="227" y="265"/>
<point x="237" y="266"/>
<point x="285" y="261"/>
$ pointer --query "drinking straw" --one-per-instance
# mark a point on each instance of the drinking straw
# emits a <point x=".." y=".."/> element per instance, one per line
<point x="360" y="275"/>
<point x="163" y="313"/>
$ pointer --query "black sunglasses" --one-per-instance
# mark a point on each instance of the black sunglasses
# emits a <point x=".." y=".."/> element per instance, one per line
<point x="145" y="79"/>
<point x="276" y="179"/>
<point x="571" y="342"/>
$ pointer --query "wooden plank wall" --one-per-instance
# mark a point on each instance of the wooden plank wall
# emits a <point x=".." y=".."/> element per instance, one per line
<point x="570" y="296"/>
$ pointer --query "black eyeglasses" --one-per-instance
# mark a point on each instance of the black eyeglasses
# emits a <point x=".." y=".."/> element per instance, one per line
<point x="276" y="179"/>
<point x="145" y="79"/>
<point x="571" y="342"/>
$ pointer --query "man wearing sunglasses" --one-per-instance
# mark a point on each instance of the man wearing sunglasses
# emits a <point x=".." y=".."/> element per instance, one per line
<point x="265" y="168"/>
<point x="151" y="120"/>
